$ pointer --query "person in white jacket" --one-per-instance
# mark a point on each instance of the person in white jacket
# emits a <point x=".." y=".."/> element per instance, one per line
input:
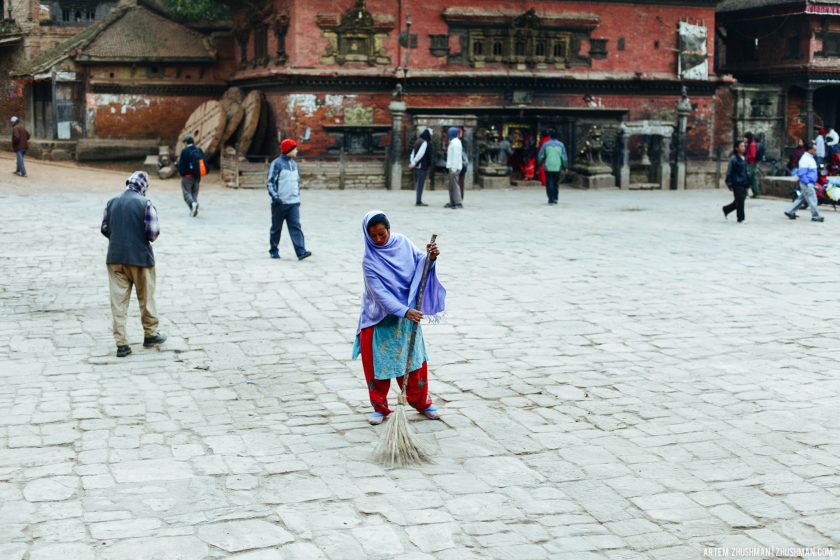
<point x="454" y="163"/>
<point x="831" y="140"/>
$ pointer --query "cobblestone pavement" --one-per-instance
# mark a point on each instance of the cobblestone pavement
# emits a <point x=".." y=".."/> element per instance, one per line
<point x="624" y="376"/>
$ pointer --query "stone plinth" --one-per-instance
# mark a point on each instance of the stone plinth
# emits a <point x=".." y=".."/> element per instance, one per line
<point x="595" y="176"/>
<point x="493" y="182"/>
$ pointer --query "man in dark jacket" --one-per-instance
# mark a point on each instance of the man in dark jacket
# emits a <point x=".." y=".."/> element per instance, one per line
<point x="131" y="224"/>
<point x="189" y="168"/>
<point x="421" y="161"/>
<point x="737" y="179"/>
<point x="20" y="143"/>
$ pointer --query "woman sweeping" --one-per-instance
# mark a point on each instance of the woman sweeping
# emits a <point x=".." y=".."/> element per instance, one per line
<point x="393" y="268"/>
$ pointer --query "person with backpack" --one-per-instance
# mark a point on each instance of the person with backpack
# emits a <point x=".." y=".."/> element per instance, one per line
<point x="553" y="156"/>
<point x="191" y="168"/>
<point x="421" y="161"/>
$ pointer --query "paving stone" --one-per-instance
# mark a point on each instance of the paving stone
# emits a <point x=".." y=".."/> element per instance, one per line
<point x="63" y="551"/>
<point x="50" y="489"/>
<point x="235" y="536"/>
<point x="157" y="548"/>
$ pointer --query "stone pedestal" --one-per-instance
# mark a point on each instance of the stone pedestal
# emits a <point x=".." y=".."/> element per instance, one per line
<point x="593" y="177"/>
<point x="493" y="182"/>
<point x="397" y="109"/>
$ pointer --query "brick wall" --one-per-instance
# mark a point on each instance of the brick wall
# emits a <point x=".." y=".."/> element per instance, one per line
<point x="136" y="117"/>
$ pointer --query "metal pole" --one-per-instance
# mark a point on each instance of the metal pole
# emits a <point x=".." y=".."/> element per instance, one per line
<point x="407" y="48"/>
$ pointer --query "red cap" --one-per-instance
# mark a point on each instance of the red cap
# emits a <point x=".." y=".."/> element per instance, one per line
<point x="822" y="131"/>
<point x="287" y="146"/>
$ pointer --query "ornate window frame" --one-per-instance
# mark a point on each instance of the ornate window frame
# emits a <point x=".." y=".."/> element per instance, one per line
<point x="355" y="36"/>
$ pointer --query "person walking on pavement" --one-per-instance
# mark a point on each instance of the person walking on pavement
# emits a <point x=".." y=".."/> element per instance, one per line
<point x="454" y="164"/>
<point x="421" y="161"/>
<point x="819" y="143"/>
<point x="284" y="189"/>
<point x="20" y="143"/>
<point x="189" y="167"/>
<point x="737" y="179"/>
<point x="753" y="156"/>
<point x="807" y="179"/>
<point x="131" y="225"/>
<point x="553" y="156"/>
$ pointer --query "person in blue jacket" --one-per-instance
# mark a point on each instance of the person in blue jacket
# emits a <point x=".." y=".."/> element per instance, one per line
<point x="807" y="172"/>
<point x="284" y="189"/>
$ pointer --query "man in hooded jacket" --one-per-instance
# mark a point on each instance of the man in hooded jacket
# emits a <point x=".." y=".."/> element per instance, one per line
<point x="421" y="161"/>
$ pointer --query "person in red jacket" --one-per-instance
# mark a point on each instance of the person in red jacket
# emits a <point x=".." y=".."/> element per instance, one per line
<point x="20" y="143"/>
<point x="753" y="155"/>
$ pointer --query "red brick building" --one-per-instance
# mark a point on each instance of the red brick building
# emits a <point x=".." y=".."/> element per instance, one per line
<point x="125" y="82"/>
<point x="329" y="68"/>
<point x="786" y="55"/>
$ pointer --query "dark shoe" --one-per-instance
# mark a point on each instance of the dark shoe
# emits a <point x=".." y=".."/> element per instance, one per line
<point x="790" y="215"/>
<point x="123" y="351"/>
<point x="159" y="338"/>
<point x="457" y="206"/>
<point x="305" y="255"/>
<point x="552" y="202"/>
<point x="818" y="219"/>
<point x="421" y="204"/>
<point x="725" y="213"/>
<point x="448" y="205"/>
<point x="740" y="221"/>
<point x="274" y="254"/>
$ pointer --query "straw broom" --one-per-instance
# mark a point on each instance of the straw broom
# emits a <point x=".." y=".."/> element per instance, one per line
<point x="398" y="446"/>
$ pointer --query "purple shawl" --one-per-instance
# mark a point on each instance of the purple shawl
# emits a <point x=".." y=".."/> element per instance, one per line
<point x="392" y="278"/>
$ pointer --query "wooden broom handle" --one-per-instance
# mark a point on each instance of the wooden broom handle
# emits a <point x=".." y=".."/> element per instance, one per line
<point x="419" y="303"/>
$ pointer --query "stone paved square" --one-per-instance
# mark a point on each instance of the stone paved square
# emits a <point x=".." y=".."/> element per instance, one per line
<point x="624" y="376"/>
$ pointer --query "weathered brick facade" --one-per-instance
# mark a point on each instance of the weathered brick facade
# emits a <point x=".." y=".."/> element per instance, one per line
<point x="623" y="55"/>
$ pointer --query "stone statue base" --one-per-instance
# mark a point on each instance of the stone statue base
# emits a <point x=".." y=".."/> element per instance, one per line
<point x="493" y="182"/>
<point x="594" y="176"/>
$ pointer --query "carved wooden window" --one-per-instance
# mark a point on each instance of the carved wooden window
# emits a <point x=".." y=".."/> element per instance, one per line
<point x="518" y="46"/>
<point x="439" y="45"/>
<point x="831" y="44"/>
<point x="560" y="49"/>
<point x="478" y="47"/>
<point x="242" y="38"/>
<point x="260" y="45"/>
<point x="598" y="48"/>
<point x="356" y="36"/>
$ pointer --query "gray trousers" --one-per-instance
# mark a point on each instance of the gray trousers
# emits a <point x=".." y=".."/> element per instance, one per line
<point x="419" y="182"/>
<point x="189" y="187"/>
<point x="809" y="195"/>
<point x="454" y="187"/>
